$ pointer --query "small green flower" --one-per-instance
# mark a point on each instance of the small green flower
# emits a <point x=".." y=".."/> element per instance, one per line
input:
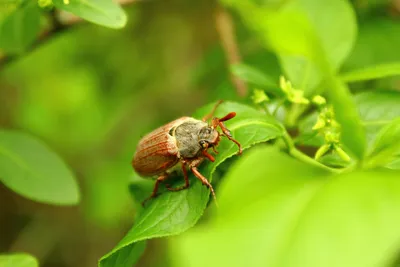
<point x="319" y="100"/>
<point x="259" y="96"/>
<point x="293" y="95"/>
<point x="320" y="124"/>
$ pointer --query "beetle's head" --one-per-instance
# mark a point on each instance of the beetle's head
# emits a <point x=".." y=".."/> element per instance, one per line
<point x="208" y="137"/>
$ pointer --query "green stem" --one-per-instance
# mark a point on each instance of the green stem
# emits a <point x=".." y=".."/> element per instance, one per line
<point x="293" y="151"/>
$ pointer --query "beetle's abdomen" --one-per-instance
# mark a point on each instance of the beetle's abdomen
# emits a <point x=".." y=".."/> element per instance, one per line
<point x="157" y="151"/>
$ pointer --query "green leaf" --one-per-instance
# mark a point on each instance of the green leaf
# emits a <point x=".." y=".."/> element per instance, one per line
<point x="276" y="211"/>
<point x="373" y="72"/>
<point x="20" y="29"/>
<point x="18" y="260"/>
<point x="255" y="77"/>
<point x="172" y="213"/>
<point x="103" y="12"/>
<point x="31" y="169"/>
<point x="386" y="145"/>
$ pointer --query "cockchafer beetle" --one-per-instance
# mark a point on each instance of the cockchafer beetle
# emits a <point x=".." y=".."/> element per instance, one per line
<point x="185" y="140"/>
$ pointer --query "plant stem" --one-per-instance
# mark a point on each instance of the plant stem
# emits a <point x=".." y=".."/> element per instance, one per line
<point x="293" y="151"/>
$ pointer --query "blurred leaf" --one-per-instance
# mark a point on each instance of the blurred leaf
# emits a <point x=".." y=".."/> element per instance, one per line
<point x="31" y="169"/>
<point x="18" y="260"/>
<point x="352" y="132"/>
<point x="386" y="144"/>
<point x="373" y="72"/>
<point x="172" y="213"/>
<point x="20" y="29"/>
<point x="293" y="214"/>
<point x="395" y="164"/>
<point x="255" y="77"/>
<point x="103" y="12"/>
<point x="301" y="32"/>
<point x="377" y="39"/>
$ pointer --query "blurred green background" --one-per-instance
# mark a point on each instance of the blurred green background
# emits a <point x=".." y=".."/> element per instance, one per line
<point x="91" y="92"/>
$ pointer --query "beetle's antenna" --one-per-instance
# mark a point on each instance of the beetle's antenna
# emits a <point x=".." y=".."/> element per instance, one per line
<point x="211" y="114"/>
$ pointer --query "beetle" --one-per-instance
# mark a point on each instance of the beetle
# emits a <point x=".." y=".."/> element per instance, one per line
<point x="186" y="141"/>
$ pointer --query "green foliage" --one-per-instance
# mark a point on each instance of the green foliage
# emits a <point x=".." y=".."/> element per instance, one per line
<point x="370" y="73"/>
<point x="20" y="28"/>
<point x="18" y="260"/>
<point x="29" y="168"/>
<point x="292" y="214"/>
<point x="318" y="183"/>
<point x="172" y="213"/>
<point x="255" y="77"/>
<point x="103" y="12"/>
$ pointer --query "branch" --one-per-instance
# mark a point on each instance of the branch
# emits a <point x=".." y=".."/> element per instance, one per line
<point x="226" y="31"/>
<point x="60" y="22"/>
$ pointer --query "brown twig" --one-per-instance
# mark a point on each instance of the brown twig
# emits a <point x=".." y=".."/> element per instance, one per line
<point x="226" y="31"/>
<point x="60" y="21"/>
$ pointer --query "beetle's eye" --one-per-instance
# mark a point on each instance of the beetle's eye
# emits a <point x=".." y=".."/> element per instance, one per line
<point x="203" y="143"/>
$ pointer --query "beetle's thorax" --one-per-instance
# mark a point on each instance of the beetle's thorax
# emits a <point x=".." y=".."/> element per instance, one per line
<point x="189" y="134"/>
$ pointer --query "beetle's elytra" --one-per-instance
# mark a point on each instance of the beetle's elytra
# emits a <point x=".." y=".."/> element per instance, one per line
<point x="185" y="140"/>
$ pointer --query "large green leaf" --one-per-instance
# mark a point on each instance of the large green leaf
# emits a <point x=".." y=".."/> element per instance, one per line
<point x="20" y="28"/>
<point x="172" y="213"/>
<point x="103" y="12"/>
<point x="276" y="211"/>
<point x="31" y="169"/>
<point x="18" y="260"/>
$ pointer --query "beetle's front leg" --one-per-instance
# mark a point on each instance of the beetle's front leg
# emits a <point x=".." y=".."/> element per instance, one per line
<point x="219" y="122"/>
<point x="193" y="167"/>
<point x="185" y="175"/>
<point x="160" y="179"/>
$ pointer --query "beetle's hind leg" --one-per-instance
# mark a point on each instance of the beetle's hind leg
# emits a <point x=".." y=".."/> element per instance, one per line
<point x="160" y="179"/>
<point x="185" y="175"/>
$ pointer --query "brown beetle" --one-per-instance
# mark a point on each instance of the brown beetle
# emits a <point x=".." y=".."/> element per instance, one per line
<point x="185" y="140"/>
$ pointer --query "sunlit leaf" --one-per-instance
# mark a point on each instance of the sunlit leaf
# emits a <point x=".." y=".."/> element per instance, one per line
<point x="31" y="169"/>
<point x="103" y="12"/>
<point x="18" y="260"/>
<point x="172" y="213"/>
<point x="292" y="214"/>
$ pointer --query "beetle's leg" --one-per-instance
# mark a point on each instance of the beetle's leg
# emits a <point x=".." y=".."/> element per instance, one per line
<point x="211" y="114"/>
<point x="207" y="155"/>
<point x="185" y="175"/>
<point x="219" y="122"/>
<point x="215" y="150"/>
<point x="204" y="181"/>
<point x="160" y="178"/>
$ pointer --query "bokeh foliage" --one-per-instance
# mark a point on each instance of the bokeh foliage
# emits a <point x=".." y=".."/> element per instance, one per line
<point x="84" y="97"/>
